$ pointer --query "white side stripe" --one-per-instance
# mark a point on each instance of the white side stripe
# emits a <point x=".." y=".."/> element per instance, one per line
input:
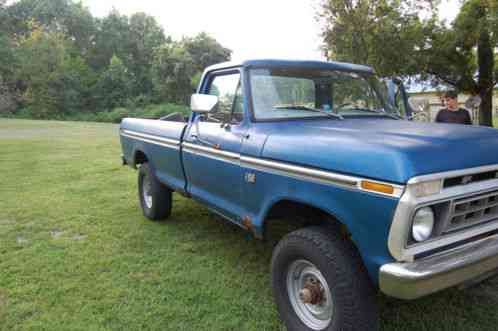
<point x="165" y="142"/>
<point x="279" y="168"/>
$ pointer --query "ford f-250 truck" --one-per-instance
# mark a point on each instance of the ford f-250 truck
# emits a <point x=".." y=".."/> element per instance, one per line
<point x="375" y="201"/>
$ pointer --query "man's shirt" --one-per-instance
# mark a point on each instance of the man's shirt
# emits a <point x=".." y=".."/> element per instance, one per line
<point x="460" y="116"/>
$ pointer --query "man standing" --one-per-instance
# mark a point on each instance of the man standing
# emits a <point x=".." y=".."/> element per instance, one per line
<point x="453" y="114"/>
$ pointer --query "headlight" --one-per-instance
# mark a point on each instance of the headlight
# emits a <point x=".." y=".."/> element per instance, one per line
<point x="427" y="188"/>
<point x="423" y="224"/>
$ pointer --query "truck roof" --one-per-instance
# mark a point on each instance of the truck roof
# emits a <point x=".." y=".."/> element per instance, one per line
<point x="325" y="65"/>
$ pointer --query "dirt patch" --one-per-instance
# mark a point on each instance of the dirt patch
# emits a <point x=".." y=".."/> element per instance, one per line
<point x="56" y="233"/>
<point x="80" y="237"/>
<point x="21" y="240"/>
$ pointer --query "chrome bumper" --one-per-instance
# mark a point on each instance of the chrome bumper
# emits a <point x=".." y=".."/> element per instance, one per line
<point x="413" y="280"/>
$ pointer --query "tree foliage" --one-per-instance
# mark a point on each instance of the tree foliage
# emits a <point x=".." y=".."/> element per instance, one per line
<point x="59" y="59"/>
<point x="172" y="70"/>
<point x="205" y="51"/>
<point x="42" y="58"/>
<point x="115" y="84"/>
<point x="406" y="38"/>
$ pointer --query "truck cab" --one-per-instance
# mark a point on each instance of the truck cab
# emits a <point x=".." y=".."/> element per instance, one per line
<point x="374" y="201"/>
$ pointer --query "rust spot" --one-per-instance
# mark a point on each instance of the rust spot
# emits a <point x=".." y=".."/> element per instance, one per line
<point x="249" y="226"/>
<point x="247" y="223"/>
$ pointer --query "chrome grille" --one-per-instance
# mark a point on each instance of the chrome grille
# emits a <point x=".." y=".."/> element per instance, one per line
<point x="473" y="210"/>
<point x="470" y="178"/>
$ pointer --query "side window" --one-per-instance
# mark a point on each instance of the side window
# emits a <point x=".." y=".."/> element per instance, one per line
<point x="229" y="92"/>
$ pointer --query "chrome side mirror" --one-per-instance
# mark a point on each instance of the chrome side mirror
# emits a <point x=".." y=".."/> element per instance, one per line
<point x="421" y="109"/>
<point x="418" y="104"/>
<point x="203" y="103"/>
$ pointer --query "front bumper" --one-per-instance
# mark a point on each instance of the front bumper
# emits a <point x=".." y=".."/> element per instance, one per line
<point x="412" y="280"/>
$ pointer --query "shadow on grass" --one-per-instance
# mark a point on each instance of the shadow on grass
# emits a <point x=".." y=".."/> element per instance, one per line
<point x="202" y="232"/>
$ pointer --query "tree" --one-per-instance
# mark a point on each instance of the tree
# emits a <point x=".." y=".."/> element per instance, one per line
<point x="8" y="101"/>
<point x="64" y="16"/>
<point x="111" y="39"/>
<point x="3" y="15"/>
<point x="56" y="58"/>
<point x="390" y="36"/>
<point x="172" y="73"/>
<point x="41" y="56"/>
<point x="475" y="27"/>
<point x="145" y="35"/>
<point x="205" y="51"/>
<point x="73" y="85"/>
<point x="115" y="85"/>
<point x="53" y="80"/>
<point x="7" y="58"/>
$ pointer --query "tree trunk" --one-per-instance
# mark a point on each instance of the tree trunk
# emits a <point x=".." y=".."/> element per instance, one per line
<point x="485" y="84"/>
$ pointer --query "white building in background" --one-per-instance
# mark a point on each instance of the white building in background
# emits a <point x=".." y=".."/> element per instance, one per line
<point x="431" y="99"/>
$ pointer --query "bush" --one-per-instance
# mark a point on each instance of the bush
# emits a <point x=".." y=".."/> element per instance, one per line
<point x="114" y="116"/>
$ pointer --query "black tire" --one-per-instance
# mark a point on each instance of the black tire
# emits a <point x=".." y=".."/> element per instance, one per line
<point x="353" y="296"/>
<point x="159" y="206"/>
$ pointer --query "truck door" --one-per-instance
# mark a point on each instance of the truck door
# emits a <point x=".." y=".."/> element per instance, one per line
<point x="212" y="146"/>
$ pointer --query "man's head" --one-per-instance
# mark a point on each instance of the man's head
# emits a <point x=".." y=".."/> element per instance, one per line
<point x="451" y="99"/>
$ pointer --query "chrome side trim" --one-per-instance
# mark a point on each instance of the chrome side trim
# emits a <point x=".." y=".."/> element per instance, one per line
<point x="153" y="139"/>
<point x="315" y="175"/>
<point x="401" y="225"/>
<point x="299" y="172"/>
<point x="474" y="260"/>
<point x="211" y="152"/>
<point x="289" y="170"/>
<point x="280" y="168"/>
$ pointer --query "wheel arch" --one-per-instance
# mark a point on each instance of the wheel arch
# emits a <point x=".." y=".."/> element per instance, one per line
<point x="139" y="157"/>
<point x="301" y="213"/>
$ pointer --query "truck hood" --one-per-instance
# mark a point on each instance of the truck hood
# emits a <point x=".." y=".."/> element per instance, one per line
<point x="380" y="148"/>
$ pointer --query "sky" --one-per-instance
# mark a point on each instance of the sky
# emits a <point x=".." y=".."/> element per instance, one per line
<point x="251" y="29"/>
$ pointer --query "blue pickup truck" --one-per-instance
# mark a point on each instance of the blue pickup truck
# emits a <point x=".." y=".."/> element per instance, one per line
<point x="370" y="201"/>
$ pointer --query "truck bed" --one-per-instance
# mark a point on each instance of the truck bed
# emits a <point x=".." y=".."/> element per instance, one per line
<point x="160" y="140"/>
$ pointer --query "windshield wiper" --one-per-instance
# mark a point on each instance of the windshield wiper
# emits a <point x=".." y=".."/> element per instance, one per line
<point x="314" y="110"/>
<point x="379" y="111"/>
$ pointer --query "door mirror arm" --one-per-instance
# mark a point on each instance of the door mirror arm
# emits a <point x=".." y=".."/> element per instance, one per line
<point x="197" y="135"/>
<point x="404" y="97"/>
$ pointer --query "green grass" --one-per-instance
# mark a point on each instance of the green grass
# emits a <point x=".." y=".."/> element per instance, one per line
<point x="77" y="254"/>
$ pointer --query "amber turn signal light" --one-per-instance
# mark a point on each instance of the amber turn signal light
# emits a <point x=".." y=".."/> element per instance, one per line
<point x="377" y="187"/>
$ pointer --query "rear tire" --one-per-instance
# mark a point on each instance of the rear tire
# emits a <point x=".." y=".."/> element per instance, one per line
<point x="155" y="198"/>
<point x="320" y="283"/>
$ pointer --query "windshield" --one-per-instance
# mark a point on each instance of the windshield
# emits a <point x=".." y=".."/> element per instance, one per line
<point x="301" y="93"/>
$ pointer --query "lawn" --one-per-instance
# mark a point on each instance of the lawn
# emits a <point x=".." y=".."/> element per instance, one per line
<point x="77" y="254"/>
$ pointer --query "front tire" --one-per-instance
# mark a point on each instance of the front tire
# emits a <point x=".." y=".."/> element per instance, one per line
<point x="319" y="283"/>
<point x="155" y="198"/>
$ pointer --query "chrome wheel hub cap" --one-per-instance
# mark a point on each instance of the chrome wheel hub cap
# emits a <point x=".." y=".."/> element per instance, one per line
<point x="309" y="295"/>
<point x="146" y="192"/>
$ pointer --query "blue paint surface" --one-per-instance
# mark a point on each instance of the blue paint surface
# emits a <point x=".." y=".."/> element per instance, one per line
<point x="380" y="148"/>
<point x="374" y="147"/>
